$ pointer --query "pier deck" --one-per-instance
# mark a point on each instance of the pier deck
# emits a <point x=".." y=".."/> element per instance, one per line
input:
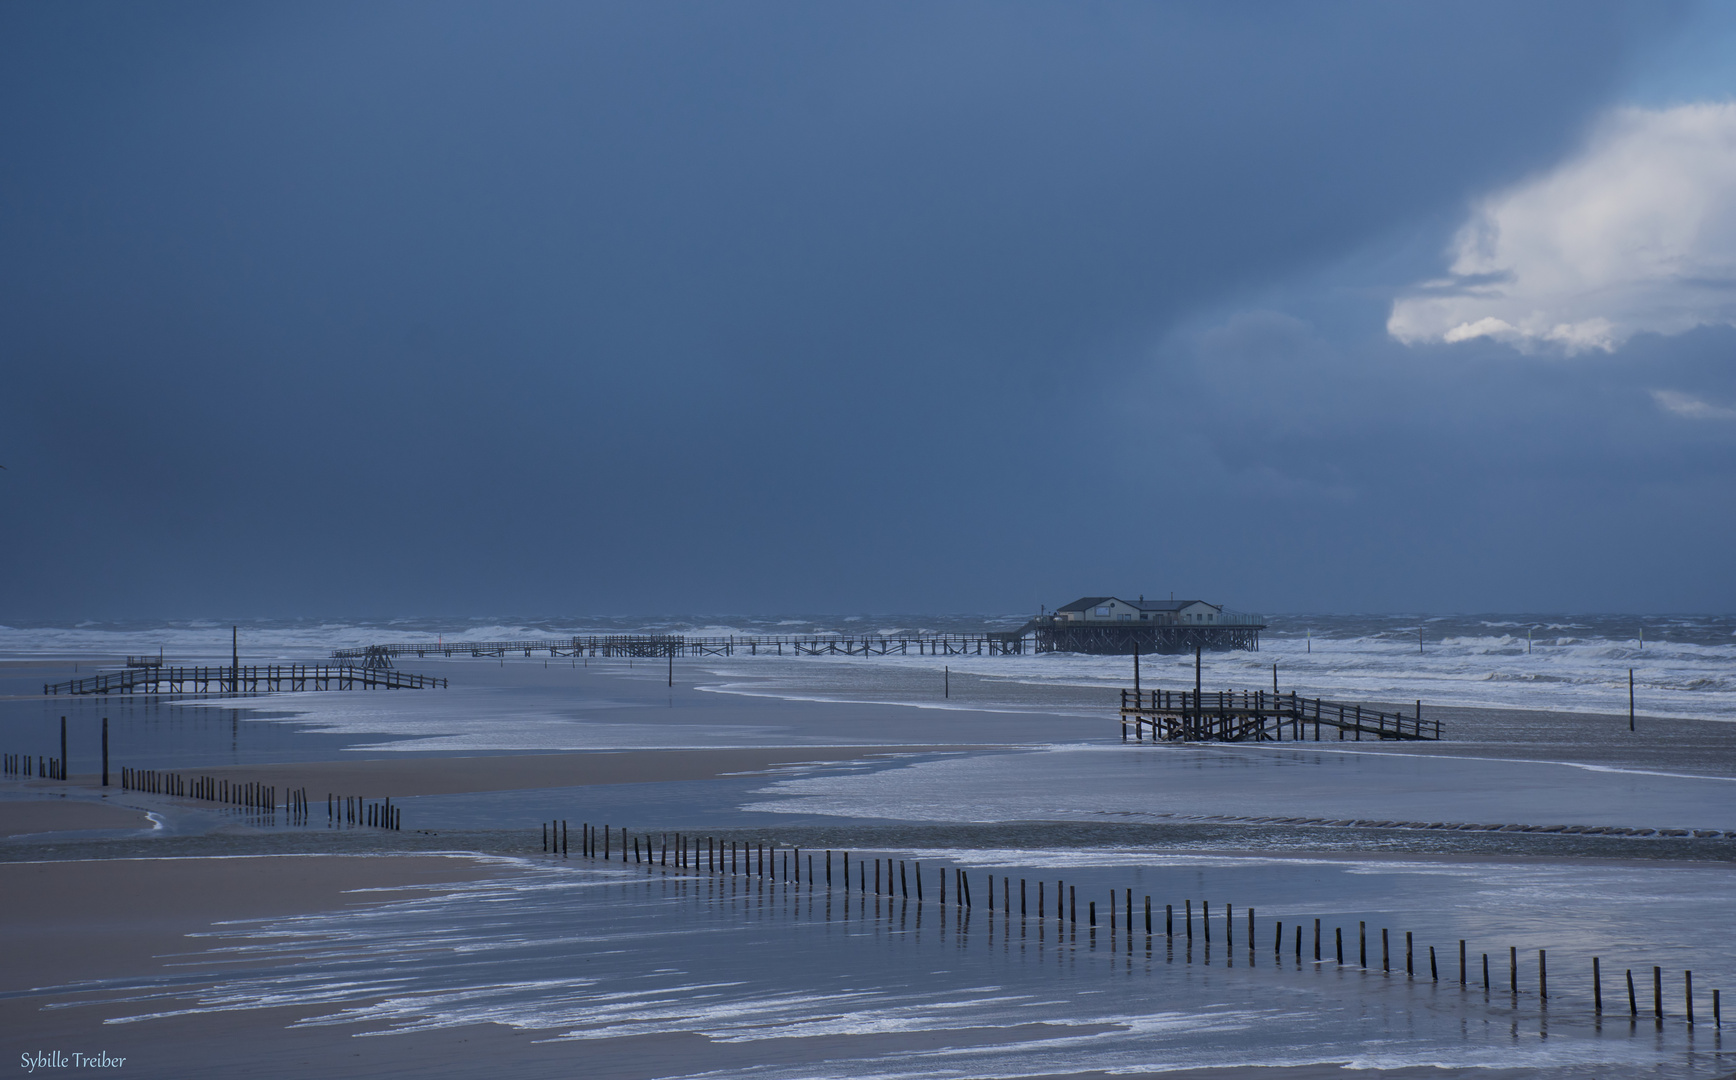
<point x="1260" y="716"/>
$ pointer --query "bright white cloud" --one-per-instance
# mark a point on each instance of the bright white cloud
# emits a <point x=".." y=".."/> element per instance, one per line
<point x="1690" y="406"/>
<point x="1636" y="233"/>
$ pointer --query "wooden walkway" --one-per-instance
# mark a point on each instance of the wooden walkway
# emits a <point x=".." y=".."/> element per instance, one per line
<point x="664" y="645"/>
<point x="1260" y="716"/>
<point x="228" y="680"/>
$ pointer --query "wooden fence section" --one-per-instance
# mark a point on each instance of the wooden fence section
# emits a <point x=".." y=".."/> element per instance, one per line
<point x="261" y="679"/>
<point x="664" y="645"/>
<point x="1260" y="716"/>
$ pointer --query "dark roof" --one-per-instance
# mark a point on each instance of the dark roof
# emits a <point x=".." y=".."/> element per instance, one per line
<point x="1171" y="605"/>
<point x="1086" y="602"/>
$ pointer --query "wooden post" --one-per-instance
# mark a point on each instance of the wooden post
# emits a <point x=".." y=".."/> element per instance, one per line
<point x="1630" y="699"/>
<point x="1688" y="993"/>
<point x="1596" y="987"/>
<point x="1362" y="943"/>
<point x="1461" y="961"/>
<point x="105" y="751"/>
<point x="1434" y="972"/>
<point x="1410" y="967"/>
<point x="1542" y="975"/>
<point x="1513" y="969"/>
<point x="1338" y="943"/>
<point x="1658" y="994"/>
<point x="1633" y="1000"/>
<point x="1385" y="954"/>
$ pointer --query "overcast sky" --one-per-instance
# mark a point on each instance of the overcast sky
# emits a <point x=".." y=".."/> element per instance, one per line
<point x="421" y="308"/>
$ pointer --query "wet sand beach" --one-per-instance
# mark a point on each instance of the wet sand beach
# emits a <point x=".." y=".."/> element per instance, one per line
<point x="515" y="959"/>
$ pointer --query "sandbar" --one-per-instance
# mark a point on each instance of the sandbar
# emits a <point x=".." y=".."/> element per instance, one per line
<point x="21" y="817"/>
<point x="406" y="776"/>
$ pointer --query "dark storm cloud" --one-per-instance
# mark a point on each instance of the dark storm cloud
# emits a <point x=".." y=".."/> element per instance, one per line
<point x="422" y="308"/>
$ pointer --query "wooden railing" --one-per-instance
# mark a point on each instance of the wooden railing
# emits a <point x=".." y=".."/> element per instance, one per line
<point x="1235" y="715"/>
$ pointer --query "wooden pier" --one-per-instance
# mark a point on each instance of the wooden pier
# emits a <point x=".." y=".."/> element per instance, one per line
<point x="666" y="645"/>
<point x="229" y="680"/>
<point x="1260" y="716"/>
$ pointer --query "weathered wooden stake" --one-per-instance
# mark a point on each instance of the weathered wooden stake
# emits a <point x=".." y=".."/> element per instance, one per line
<point x="1633" y="999"/>
<point x="1596" y="987"/>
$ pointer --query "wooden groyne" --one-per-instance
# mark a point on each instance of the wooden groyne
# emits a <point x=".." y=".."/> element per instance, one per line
<point x="1179" y="933"/>
<point x="230" y="680"/>
<point x="1260" y="716"/>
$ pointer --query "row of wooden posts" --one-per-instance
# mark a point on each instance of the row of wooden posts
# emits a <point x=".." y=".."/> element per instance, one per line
<point x="49" y="768"/>
<point x="355" y="810"/>
<point x="249" y="796"/>
<point x="344" y="810"/>
<point x="713" y="856"/>
<point x="52" y="768"/>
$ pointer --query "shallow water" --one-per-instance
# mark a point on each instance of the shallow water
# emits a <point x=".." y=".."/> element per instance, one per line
<point x="582" y="952"/>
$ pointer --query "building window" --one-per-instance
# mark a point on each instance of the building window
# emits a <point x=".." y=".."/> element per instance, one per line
<point x="1102" y="612"/>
